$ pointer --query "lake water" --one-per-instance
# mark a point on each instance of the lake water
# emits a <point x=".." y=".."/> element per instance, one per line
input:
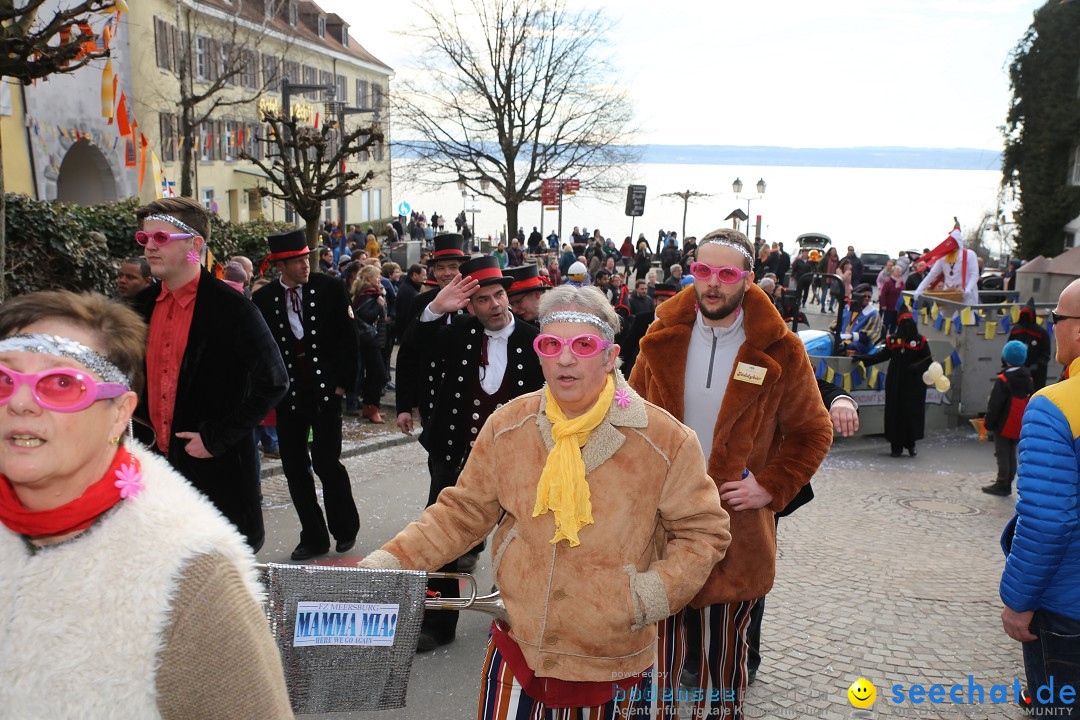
<point x="876" y="210"/>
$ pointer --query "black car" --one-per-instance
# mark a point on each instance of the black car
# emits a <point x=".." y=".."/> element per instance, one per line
<point x="873" y="263"/>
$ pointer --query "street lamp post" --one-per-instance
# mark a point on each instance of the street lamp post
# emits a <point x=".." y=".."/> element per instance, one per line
<point x="463" y="185"/>
<point x="737" y="187"/>
<point x="337" y="109"/>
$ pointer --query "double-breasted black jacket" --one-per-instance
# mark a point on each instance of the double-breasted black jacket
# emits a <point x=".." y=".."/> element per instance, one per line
<point x="448" y="434"/>
<point x="417" y="380"/>
<point x="330" y="342"/>
<point x="231" y="376"/>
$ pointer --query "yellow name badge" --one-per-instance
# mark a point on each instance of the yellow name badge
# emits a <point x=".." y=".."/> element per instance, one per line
<point x="750" y="373"/>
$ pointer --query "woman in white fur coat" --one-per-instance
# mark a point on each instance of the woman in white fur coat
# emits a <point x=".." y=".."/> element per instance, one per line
<point x="124" y="592"/>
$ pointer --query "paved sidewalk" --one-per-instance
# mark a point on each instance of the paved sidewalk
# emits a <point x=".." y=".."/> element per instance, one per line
<point x="890" y="574"/>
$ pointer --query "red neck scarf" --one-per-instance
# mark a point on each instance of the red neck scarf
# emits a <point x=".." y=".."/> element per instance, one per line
<point x="71" y="517"/>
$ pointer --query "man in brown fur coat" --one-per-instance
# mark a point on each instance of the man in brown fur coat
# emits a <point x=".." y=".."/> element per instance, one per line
<point x="721" y="360"/>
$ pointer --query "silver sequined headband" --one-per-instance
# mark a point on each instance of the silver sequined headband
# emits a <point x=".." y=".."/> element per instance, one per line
<point x="173" y="221"/>
<point x="572" y="316"/>
<point x="727" y="243"/>
<point x="65" y="347"/>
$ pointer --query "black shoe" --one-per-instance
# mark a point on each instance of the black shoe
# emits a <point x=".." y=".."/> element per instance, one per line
<point x="912" y="451"/>
<point x="896" y="453"/>
<point x="751" y="676"/>
<point x="344" y="546"/>
<point x="352" y="412"/>
<point x="466" y="563"/>
<point x="999" y="489"/>
<point x="689" y="679"/>
<point x="428" y="642"/>
<point x="306" y="552"/>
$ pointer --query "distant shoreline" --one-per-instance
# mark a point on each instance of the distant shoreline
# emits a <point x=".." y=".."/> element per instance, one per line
<point x="859" y="157"/>
<point x="899" y="158"/>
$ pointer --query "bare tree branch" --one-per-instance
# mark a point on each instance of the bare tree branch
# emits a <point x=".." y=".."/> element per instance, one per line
<point x="307" y="166"/>
<point x="515" y="91"/>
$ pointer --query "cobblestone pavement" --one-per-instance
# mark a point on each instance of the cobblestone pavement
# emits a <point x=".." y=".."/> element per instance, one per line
<point x="890" y="574"/>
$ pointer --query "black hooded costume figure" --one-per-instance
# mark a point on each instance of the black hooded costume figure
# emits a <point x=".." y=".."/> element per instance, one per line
<point x="1034" y="335"/>
<point x="905" y="392"/>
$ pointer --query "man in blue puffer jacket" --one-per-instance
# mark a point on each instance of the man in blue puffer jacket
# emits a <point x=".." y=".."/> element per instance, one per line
<point x="1041" y="583"/>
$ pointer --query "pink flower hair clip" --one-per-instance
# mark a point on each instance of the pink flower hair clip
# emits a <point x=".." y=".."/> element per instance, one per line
<point x="193" y="257"/>
<point x="130" y="480"/>
<point x="622" y="398"/>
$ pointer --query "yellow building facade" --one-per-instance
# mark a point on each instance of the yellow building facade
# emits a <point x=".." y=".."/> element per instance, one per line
<point x="61" y="145"/>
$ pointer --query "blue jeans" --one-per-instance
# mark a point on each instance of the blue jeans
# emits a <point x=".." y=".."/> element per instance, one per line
<point x="1053" y="661"/>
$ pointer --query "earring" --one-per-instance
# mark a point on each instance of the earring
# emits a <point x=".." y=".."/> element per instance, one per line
<point x="115" y="440"/>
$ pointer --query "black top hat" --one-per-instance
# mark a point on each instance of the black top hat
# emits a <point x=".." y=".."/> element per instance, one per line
<point x="526" y="279"/>
<point x="447" y="246"/>
<point x="485" y="269"/>
<point x="665" y="290"/>
<point x="287" y="245"/>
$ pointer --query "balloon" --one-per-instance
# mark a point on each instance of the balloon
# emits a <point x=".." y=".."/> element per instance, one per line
<point x="927" y="379"/>
<point x="936" y="371"/>
<point x="942" y="384"/>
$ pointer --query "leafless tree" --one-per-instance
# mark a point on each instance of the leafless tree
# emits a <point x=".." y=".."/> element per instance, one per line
<point x="512" y="92"/>
<point x="33" y="47"/>
<point x="231" y="70"/>
<point x="686" y="196"/>
<point x="307" y="166"/>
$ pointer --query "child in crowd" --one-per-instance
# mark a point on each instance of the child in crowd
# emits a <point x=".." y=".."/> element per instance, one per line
<point x="1008" y="399"/>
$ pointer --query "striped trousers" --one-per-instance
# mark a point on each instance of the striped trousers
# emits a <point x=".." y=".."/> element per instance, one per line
<point x="503" y="698"/>
<point x="711" y="640"/>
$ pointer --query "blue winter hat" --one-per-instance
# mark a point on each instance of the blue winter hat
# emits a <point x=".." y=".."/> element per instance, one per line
<point x="1014" y="352"/>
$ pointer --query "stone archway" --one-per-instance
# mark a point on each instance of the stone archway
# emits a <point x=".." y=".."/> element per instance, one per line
<point x="85" y="176"/>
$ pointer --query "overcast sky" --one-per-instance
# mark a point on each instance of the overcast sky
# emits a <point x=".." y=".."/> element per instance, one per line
<point x="833" y="73"/>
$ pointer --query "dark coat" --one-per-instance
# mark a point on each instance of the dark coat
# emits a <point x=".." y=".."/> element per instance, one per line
<point x="367" y="309"/>
<point x="1038" y="346"/>
<point x="406" y="293"/>
<point x="1013" y="382"/>
<point x="231" y="376"/>
<point x="905" y="391"/>
<point x="457" y="359"/>
<point x="330" y="337"/>
<point x="416" y="378"/>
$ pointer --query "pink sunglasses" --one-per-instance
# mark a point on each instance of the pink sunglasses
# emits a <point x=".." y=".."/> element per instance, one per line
<point x="726" y="275"/>
<point x="583" y="346"/>
<point x="58" y="389"/>
<point x="160" y="237"/>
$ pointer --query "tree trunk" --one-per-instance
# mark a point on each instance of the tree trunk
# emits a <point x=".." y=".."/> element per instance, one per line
<point x="187" y="154"/>
<point x="511" y="219"/>
<point x="311" y="229"/>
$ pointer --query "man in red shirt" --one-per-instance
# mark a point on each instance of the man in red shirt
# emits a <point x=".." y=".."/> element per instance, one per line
<point x="213" y="370"/>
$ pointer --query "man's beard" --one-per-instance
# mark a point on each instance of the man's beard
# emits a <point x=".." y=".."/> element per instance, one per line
<point x="726" y="308"/>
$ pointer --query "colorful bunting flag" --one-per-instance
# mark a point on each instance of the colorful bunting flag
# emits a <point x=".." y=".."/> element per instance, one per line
<point x="990" y="330"/>
<point x="107" y="87"/>
<point x="123" y="123"/>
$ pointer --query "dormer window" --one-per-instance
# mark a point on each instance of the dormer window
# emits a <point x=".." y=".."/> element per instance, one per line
<point x="322" y="26"/>
<point x="345" y="36"/>
<point x="293" y="13"/>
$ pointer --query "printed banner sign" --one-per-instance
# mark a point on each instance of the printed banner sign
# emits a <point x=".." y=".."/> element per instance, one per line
<point x="333" y="623"/>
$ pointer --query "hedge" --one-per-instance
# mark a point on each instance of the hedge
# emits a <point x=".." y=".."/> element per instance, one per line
<point x="63" y="246"/>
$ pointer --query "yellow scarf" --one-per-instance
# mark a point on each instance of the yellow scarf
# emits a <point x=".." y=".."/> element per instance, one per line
<point x="563" y="488"/>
